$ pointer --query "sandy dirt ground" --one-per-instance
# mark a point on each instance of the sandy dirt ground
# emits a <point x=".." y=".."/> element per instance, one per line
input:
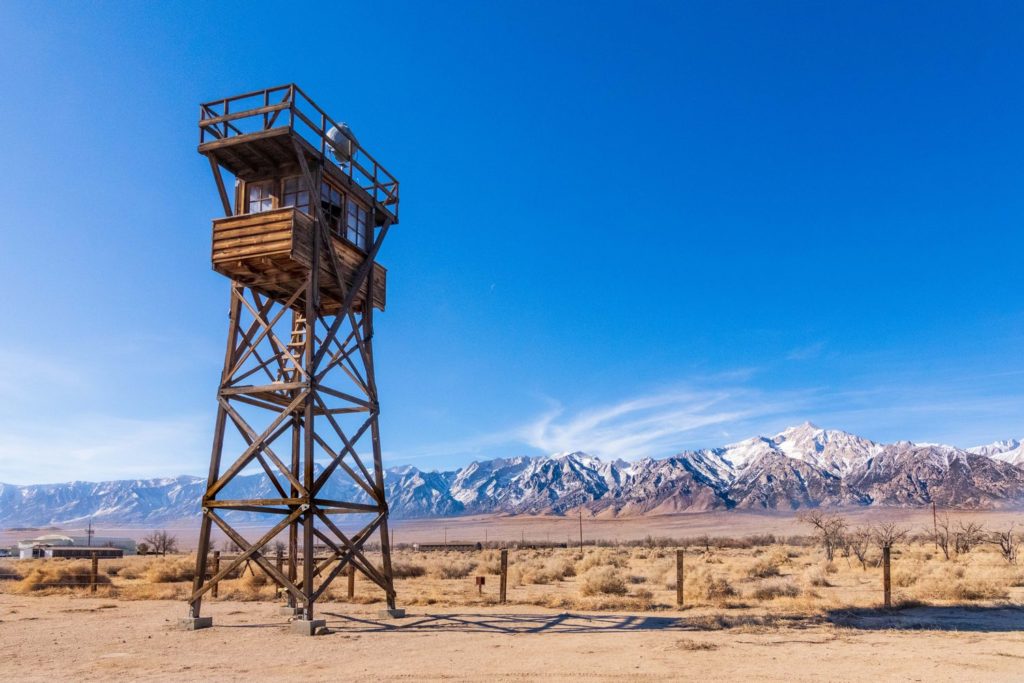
<point x="64" y="637"/>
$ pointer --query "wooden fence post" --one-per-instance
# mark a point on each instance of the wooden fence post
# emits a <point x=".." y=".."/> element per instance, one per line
<point x="216" y="570"/>
<point x="886" y="576"/>
<point x="94" y="572"/>
<point x="679" y="576"/>
<point x="503" y="584"/>
<point x="351" y="582"/>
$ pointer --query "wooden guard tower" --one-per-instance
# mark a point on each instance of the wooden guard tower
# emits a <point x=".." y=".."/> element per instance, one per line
<point x="297" y="402"/>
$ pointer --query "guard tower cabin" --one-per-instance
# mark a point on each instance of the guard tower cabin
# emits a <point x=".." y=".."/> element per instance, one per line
<point x="270" y="140"/>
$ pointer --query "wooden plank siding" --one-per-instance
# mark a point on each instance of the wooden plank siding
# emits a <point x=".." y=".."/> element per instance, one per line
<point x="270" y="251"/>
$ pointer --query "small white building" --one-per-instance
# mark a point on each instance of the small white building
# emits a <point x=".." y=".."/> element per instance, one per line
<point x="36" y="547"/>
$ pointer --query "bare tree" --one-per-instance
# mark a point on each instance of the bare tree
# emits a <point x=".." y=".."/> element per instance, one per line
<point x="859" y="542"/>
<point x="968" y="536"/>
<point x="1008" y="542"/>
<point x="829" y="529"/>
<point x="888" y="534"/>
<point x="943" y="534"/>
<point x="704" y="540"/>
<point x="161" y="543"/>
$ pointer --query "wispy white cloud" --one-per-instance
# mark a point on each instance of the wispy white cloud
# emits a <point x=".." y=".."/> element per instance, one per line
<point x="655" y="424"/>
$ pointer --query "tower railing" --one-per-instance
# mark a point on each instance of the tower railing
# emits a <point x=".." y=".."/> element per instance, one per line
<point x="287" y="106"/>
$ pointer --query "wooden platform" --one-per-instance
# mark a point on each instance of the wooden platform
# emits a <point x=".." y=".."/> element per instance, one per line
<point x="270" y="252"/>
<point x="271" y="153"/>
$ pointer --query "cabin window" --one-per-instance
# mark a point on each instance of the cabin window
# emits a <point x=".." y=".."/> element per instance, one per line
<point x="355" y="225"/>
<point x="260" y="197"/>
<point x="294" y="193"/>
<point x="332" y="204"/>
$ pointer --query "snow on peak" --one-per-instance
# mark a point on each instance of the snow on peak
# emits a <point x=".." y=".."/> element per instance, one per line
<point x="1008" y="450"/>
<point x="830" y="449"/>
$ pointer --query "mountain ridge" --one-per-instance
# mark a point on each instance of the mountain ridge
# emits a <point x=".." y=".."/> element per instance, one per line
<point x="800" y="467"/>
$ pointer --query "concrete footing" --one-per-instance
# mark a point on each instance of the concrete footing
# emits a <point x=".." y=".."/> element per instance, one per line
<point x="397" y="613"/>
<point x="289" y="611"/>
<point x="195" y="623"/>
<point x="308" y="628"/>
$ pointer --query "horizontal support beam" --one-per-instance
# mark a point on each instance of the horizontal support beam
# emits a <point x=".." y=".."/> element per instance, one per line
<point x="231" y="504"/>
<point x="262" y="388"/>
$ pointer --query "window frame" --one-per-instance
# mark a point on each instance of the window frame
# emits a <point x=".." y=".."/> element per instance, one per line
<point x="270" y="196"/>
<point x="361" y="225"/>
<point x="301" y="189"/>
<point x="336" y="230"/>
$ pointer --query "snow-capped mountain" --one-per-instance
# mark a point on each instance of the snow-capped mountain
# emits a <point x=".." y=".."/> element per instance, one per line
<point x="1011" y="451"/>
<point x="802" y="466"/>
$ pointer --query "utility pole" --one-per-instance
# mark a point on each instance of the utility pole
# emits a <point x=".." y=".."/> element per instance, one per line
<point x="935" y="526"/>
<point x="89" y="533"/>
<point x="446" y="535"/>
<point x="581" y="529"/>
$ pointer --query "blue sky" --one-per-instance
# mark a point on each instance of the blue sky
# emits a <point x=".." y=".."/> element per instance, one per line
<point x="628" y="229"/>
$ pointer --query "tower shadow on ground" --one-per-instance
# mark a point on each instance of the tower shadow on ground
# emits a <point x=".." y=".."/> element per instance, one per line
<point x="980" y="619"/>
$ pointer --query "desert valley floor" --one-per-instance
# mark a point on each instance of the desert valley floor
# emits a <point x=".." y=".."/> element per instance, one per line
<point x="59" y="638"/>
<point x="756" y="606"/>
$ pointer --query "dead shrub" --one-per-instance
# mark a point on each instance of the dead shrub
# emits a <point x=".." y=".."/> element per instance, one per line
<point x="490" y="563"/>
<point x="599" y="558"/>
<point x="407" y="570"/>
<point x="132" y="571"/>
<point x="779" y="588"/>
<point x="170" y="571"/>
<point x="707" y="587"/>
<point x="58" y="575"/>
<point x="540" y="571"/>
<point x="255" y="581"/>
<point x="643" y="594"/>
<point x="451" y="569"/>
<point x="904" y="577"/>
<point x="602" y="581"/>
<point x="950" y="583"/>
<point x="763" y="568"/>
<point x="816" y="577"/>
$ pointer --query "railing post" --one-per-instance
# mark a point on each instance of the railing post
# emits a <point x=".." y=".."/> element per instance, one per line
<point x="679" y="576"/>
<point x="503" y="583"/>
<point x="351" y="582"/>
<point x="886" y="576"/>
<point x="216" y="570"/>
<point x="94" y="572"/>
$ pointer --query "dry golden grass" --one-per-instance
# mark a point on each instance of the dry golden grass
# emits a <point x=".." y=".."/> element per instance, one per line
<point x="170" y="570"/>
<point x="58" y="575"/>
<point x="788" y="580"/>
<point x="603" y="581"/>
